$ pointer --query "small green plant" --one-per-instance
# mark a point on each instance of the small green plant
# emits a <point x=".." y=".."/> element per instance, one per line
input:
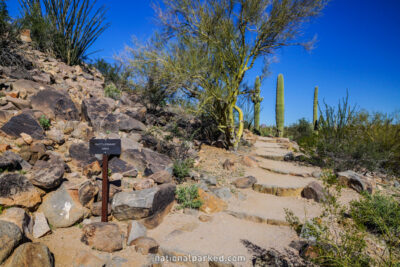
<point x="1" y="209"/>
<point x="380" y="215"/>
<point x="109" y="172"/>
<point x="181" y="168"/>
<point x="112" y="91"/>
<point x="44" y="122"/>
<point x="22" y="172"/>
<point x="188" y="197"/>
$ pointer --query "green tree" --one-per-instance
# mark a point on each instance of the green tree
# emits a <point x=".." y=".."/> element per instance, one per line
<point x="227" y="37"/>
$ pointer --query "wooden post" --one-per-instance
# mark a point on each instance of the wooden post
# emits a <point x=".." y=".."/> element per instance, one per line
<point x="104" y="207"/>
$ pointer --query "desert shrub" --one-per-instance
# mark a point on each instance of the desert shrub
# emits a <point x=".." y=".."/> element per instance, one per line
<point x="67" y="28"/>
<point x="112" y="91"/>
<point x="1" y="209"/>
<point x="44" y="122"/>
<point x="267" y="130"/>
<point x="4" y="19"/>
<point x="181" y="168"/>
<point x="299" y="131"/>
<point x="335" y="239"/>
<point x="380" y="215"/>
<point x="113" y="73"/>
<point x="188" y="197"/>
<point x="351" y="139"/>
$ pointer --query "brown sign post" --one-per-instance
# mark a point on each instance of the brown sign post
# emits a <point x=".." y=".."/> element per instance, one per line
<point x="105" y="147"/>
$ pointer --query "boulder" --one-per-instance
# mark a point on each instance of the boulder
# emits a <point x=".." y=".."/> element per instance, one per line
<point x="48" y="174"/>
<point x="40" y="226"/>
<point x="314" y="191"/>
<point x="56" y="104"/>
<point x="10" y="237"/>
<point x="92" y="169"/>
<point x="245" y="182"/>
<point x="5" y="115"/>
<point x="87" y="191"/>
<point x="102" y="236"/>
<point x="211" y="203"/>
<point x="143" y="184"/>
<point x="147" y="160"/>
<point x="20" y="218"/>
<point x="95" y="208"/>
<point x="112" y="190"/>
<point x="27" y="86"/>
<point x="108" y="124"/>
<point x="146" y="245"/>
<point x="9" y="164"/>
<point x="18" y="102"/>
<point x="161" y="177"/>
<point x="94" y="110"/>
<point x="62" y="208"/>
<point x="32" y="254"/>
<point x="117" y="165"/>
<point x="56" y="136"/>
<point x="23" y="123"/>
<point x="355" y="181"/>
<point x="140" y="204"/>
<point x="80" y="153"/>
<point x="128" y="124"/>
<point x="16" y="190"/>
<point x="135" y="230"/>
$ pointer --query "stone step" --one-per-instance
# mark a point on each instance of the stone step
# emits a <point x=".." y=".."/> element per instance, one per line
<point x="287" y="168"/>
<point x="277" y="184"/>
<point x="256" y="219"/>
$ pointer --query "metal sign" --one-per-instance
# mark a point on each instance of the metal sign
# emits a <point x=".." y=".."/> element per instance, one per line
<point x="105" y="146"/>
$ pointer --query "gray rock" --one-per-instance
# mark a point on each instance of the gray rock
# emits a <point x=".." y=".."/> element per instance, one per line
<point x="48" y="174"/>
<point x="140" y="204"/>
<point x="223" y="193"/>
<point x="23" y="123"/>
<point x="135" y="230"/>
<point x="210" y="180"/>
<point x="117" y="165"/>
<point x="314" y="191"/>
<point x="32" y="254"/>
<point x="147" y="160"/>
<point x="10" y="237"/>
<point x="102" y="236"/>
<point x="18" y="159"/>
<point x="18" y="102"/>
<point x="245" y="182"/>
<point x="128" y="124"/>
<point x="161" y="177"/>
<point x="56" y="104"/>
<point x="63" y="210"/>
<point x="40" y="227"/>
<point x="355" y="181"/>
<point x="80" y="153"/>
<point x="96" y="208"/>
<point x="396" y="184"/>
<point x="87" y="191"/>
<point x="94" y="110"/>
<point x="20" y="218"/>
<point x="8" y="164"/>
<point x="56" y="135"/>
<point x="316" y="174"/>
<point x="146" y="245"/>
<point x="16" y="190"/>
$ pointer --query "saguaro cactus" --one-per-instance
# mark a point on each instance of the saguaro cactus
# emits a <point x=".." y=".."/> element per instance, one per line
<point x="280" y="106"/>
<point x="315" y="109"/>
<point x="256" y="99"/>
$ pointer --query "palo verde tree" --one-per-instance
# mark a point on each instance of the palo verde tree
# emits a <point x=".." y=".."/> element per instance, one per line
<point x="220" y="41"/>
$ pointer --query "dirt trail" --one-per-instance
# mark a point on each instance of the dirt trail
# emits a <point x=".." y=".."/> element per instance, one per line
<point x="254" y="216"/>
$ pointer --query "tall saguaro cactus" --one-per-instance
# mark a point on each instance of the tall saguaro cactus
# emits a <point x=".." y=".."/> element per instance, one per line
<point x="315" y="108"/>
<point x="256" y="99"/>
<point x="280" y="106"/>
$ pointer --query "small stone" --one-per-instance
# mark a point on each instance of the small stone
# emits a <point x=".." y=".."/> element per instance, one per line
<point x="245" y="182"/>
<point x="314" y="191"/>
<point x="32" y="254"/>
<point x="205" y="218"/>
<point x="92" y="169"/>
<point x="27" y="138"/>
<point x="316" y="174"/>
<point x="229" y="165"/>
<point x="102" y="236"/>
<point x="249" y="161"/>
<point x="143" y="184"/>
<point x="222" y="193"/>
<point x="87" y="259"/>
<point x="87" y="191"/>
<point x="56" y="135"/>
<point x="127" y="183"/>
<point x="115" y="177"/>
<point x="40" y="227"/>
<point x="161" y="177"/>
<point x="211" y="204"/>
<point x="355" y="181"/>
<point x="146" y="245"/>
<point x="135" y="230"/>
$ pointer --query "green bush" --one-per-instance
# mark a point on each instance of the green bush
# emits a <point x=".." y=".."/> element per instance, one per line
<point x="299" y="131"/>
<point x="181" y="168"/>
<point x="66" y="28"/>
<point x="380" y="215"/>
<point x="113" y="73"/>
<point x="4" y="18"/>
<point x="112" y="91"/>
<point x="188" y="197"/>
<point x="358" y="140"/>
<point x="44" y="122"/>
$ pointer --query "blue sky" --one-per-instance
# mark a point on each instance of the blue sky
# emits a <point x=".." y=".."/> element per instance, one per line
<point x="358" y="50"/>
